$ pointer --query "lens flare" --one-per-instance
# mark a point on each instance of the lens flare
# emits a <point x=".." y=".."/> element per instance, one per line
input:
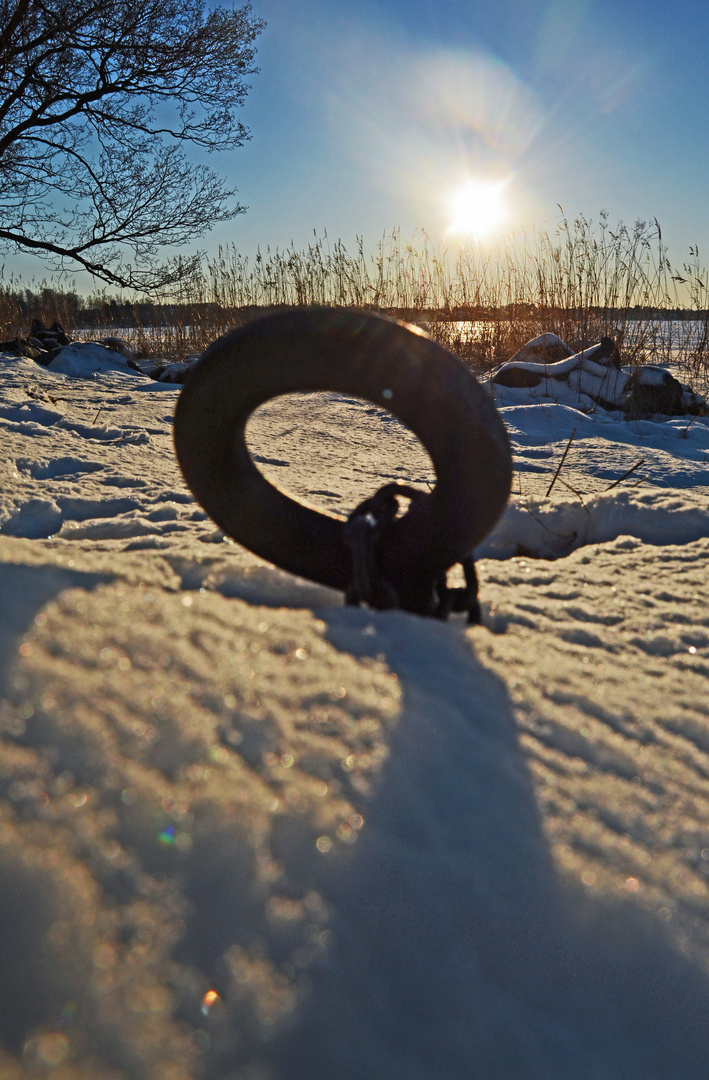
<point x="209" y="1000"/>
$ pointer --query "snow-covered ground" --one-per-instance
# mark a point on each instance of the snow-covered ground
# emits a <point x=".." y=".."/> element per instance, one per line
<point x="249" y="833"/>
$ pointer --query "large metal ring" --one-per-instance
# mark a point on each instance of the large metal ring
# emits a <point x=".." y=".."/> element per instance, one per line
<point x="394" y="366"/>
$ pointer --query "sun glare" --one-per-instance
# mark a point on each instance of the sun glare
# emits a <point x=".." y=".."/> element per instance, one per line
<point x="477" y="209"/>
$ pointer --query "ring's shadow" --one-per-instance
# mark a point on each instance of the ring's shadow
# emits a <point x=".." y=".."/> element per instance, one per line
<point x="459" y="952"/>
<point x="29" y="983"/>
<point x="24" y="591"/>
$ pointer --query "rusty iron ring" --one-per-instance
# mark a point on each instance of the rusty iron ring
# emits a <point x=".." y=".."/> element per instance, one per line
<point x="392" y="365"/>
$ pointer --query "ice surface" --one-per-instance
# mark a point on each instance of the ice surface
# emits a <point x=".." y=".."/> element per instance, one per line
<point x="247" y="832"/>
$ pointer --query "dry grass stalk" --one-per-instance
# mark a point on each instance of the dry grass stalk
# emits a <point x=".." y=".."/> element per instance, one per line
<point x="625" y="475"/>
<point x="563" y="459"/>
<point x="583" y="281"/>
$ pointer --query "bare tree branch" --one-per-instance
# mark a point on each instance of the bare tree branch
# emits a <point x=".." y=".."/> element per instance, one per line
<point x="99" y="102"/>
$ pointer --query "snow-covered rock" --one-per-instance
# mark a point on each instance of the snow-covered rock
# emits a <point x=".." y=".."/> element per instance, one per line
<point x="83" y="359"/>
<point x="588" y="380"/>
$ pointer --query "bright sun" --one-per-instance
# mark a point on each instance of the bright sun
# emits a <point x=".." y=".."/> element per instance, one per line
<point x="477" y="208"/>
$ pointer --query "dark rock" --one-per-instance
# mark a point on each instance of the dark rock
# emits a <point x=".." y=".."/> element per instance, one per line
<point x="550" y="354"/>
<point x="52" y="338"/>
<point x="545" y="357"/>
<point x="545" y="349"/>
<point x="152" y="368"/>
<point x="177" y="373"/>
<point x="23" y="347"/>
<point x="517" y="376"/>
<point x="57" y="330"/>
<point x="164" y="370"/>
<point x="607" y="352"/>
<point x="654" y="390"/>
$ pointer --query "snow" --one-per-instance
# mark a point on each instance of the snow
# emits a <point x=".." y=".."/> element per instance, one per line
<point x="247" y="832"/>
<point x="85" y="359"/>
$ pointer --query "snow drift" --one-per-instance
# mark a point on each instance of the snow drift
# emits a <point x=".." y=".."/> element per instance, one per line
<point x="246" y="832"/>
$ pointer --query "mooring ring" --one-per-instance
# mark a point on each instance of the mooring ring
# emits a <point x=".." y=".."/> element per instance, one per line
<point x="392" y="365"/>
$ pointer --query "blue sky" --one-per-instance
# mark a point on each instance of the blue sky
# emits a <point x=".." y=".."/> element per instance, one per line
<point x="367" y="116"/>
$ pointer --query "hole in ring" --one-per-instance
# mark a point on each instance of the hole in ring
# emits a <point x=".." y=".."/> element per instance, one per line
<point x="332" y="450"/>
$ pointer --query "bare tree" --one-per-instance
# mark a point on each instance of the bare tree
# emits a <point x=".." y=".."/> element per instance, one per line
<point x="99" y="101"/>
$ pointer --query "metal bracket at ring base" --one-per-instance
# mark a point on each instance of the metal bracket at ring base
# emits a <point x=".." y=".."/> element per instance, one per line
<point x="362" y="355"/>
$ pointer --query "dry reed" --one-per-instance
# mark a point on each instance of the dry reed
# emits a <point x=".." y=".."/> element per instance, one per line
<point x="582" y="281"/>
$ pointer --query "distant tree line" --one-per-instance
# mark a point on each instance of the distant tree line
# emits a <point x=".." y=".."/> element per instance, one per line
<point x="77" y="312"/>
